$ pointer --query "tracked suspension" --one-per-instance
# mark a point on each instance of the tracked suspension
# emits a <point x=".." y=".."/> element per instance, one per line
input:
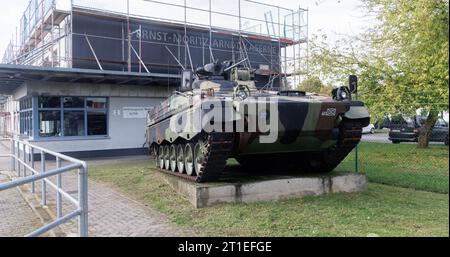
<point x="350" y="136"/>
<point x="208" y="159"/>
<point x="309" y="162"/>
<point x="210" y="153"/>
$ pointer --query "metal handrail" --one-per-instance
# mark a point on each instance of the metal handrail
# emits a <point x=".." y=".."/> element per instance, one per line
<point x="20" y="158"/>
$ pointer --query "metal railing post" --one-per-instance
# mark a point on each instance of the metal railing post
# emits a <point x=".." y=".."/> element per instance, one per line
<point x="356" y="148"/>
<point x="25" y="159"/>
<point x="22" y="156"/>
<point x="83" y="200"/>
<point x="13" y="153"/>
<point x="16" y="154"/>
<point x="32" y="166"/>
<point x="28" y="163"/>
<point x="17" y="160"/>
<point x="58" y="194"/>
<point x="44" y="184"/>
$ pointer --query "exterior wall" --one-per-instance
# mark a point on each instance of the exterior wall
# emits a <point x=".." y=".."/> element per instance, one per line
<point x="10" y="120"/>
<point x="124" y="131"/>
<point x="18" y="94"/>
<point x="127" y="109"/>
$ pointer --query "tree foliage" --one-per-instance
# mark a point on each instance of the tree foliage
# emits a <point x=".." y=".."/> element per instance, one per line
<point x="402" y="60"/>
<point x="313" y="84"/>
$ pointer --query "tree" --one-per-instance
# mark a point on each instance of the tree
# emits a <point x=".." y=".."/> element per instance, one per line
<point x="314" y="84"/>
<point x="402" y="61"/>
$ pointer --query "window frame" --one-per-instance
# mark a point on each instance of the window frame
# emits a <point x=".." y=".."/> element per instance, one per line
<point x="63" y="109"/>
<point x="26" y="127"/>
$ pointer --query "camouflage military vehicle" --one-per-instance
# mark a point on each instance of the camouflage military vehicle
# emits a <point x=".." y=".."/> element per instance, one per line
<point x="219" y="113"/>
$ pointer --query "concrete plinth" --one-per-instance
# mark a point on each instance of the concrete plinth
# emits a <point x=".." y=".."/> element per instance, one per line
<point x="208" y="194"/>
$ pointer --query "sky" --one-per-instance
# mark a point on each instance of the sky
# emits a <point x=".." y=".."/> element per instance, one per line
<point x="11" y="12"/>
<point x="331" y="17"/>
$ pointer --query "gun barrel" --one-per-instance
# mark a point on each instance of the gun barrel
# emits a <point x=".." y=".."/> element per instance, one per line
<point x="236" y="64"/>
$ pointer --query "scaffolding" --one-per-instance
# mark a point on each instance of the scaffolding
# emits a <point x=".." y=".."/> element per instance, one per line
<point x="46" y="34"/>
<point x="41" y="32"/>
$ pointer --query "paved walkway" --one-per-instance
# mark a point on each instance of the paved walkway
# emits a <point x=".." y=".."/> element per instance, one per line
<point x="16" y="217"/>
<point x="110" y="213"/>
<point x="113" y="214"/>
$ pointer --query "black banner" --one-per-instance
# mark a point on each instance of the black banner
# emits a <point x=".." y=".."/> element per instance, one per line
<point x="109" y="39"/>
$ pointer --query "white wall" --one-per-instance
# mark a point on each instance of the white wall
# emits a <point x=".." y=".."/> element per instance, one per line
<point x="11" y="121"/>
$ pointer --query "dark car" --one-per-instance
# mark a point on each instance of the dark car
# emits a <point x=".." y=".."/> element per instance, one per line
<point x="408" y="129"/>
<point x="383" y="123"/>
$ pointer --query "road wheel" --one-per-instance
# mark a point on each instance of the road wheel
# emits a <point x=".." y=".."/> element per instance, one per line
<point x="199" y="157"/>
<point x="180" y="158"/>
<point x="173" y="158"/>
<point x="395" y="142"/>
<point x="160" y="158"/>
<point x="189" y="159"/>
<point x="166" y="157"/>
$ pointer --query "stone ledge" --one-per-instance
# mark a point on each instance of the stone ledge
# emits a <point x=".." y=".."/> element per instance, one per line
<point x="208" y="194"/>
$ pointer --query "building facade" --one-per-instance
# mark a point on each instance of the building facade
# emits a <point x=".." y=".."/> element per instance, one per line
<point x="80" y="79"/>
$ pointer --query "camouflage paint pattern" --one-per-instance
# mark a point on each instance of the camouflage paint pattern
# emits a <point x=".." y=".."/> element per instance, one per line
<point x="305" y="123"/>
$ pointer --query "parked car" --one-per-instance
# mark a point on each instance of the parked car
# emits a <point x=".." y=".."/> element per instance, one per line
<point x="408" y="130"/>
<point x="383" y="123"/>
<point x="369" y="129"/>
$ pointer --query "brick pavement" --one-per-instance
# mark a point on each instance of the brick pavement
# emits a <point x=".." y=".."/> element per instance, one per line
<point x="16" y="217"/>
<point x="113" y="214"/>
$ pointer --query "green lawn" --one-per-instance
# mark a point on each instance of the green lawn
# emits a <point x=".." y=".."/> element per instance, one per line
<point x="403" y="165"/>
<point x="382" y="210"/>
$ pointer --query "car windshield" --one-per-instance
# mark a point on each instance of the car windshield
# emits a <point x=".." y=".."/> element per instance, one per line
<point x="403" y="121"/>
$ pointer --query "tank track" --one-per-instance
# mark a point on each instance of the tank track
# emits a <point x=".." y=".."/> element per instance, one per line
<point x="218" y="148"/>
<point x="311" y="162"/>
<point x="328" y="160"/>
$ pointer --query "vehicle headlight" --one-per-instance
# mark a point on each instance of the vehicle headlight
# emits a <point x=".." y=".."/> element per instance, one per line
<point x="242" y="94"/>
<point x="343" y="95"/>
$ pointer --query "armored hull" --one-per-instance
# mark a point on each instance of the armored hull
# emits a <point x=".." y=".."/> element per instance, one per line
<point x="193" y="133"/>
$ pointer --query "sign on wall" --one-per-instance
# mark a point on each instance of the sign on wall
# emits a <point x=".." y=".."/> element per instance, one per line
<point x="135" y="112"/>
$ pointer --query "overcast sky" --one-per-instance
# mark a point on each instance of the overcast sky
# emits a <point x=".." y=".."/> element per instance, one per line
<point x="331" y="17"/>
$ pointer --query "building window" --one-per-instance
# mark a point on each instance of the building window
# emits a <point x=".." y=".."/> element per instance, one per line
<point x="49" y="102"/>
<point x="96" y="103"/>
<point x="74" y="123"/>
<point x="26" y="116"/>
<point x="50" y="123"/>
<point x="73" y="116"/>
<point x="73" y="102"/>
<point x="96" y="121"/>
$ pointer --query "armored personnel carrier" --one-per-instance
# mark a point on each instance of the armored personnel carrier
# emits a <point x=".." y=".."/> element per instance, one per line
<point x="219" y="113"/>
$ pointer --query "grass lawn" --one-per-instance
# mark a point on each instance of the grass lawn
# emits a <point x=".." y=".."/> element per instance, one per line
<point x="382" y="210"/>
<point x="403" y="165"/>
